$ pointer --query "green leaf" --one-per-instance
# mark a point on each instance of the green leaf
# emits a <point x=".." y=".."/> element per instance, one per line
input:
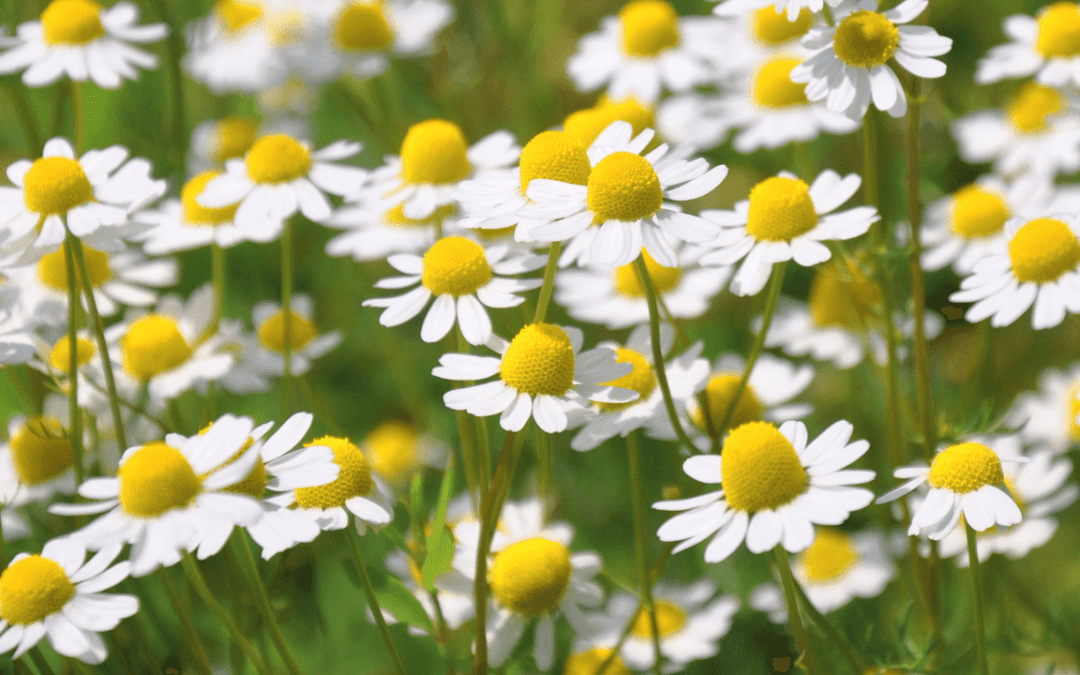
<point x="400" y="602"/>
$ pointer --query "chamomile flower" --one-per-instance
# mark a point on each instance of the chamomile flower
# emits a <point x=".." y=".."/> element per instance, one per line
<point x="586" y="124"/>
<point x="83" y="40"/>
<point x="850" y="64"/>
<point x="542" y="375"/>
<point x="37" y="462"/>
<point x="1050" y="416"/>
<point x="774" y="489"/>
<point x="786" y="219"/>
<point x="587" y="659"/>
<point x="375" y="229"/>
<point x="306" y="343"/>
<point x="57" y="594"/>
<point x="461" y="274"/>
<point x="184" y="224"/>
<point x="397" y="451"/>
<point x="215" y="142"/>
<point x="1041" y="267"/>
<point x="624" y="200"/>
<point x="1047" y="46"/>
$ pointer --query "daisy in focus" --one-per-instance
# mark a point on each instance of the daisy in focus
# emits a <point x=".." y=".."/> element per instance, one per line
<point x="1051" y="416"/>
<point x="1046" y="45"/>
<point x="305" y="342"/>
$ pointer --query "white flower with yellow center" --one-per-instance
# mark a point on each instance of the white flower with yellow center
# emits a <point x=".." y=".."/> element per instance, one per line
<point x="586" y="124"/>
<point x="759" y="29"/>
<point x="306" y="343"/>
<point x="184" y="224"/>
<point x="587" y="659"/>
<point x="686" y="375"/>
<point x="1050" y="416"/>
<point x="91" y="195"/>
<point x="1046" y="45"/>
<point x="964" y="480"/>
<point x="398" y="451"/>
<point x="215" y="142"/>
<point x="622" y="207"/>
<point x="1041" y="267"/>
<point x="85" y="41"/>
<point x="774" y="488"/>
<point x="850" y="65"/>
<point x="54" y="360"/>
<point x="786" y="219"/>
<point x="163" y="498"/>
<point x="58" y="594"/>
<point x="541" y="376"/>
<point x="647" y="49"/>
<point x="464" y="277"/>
<point x="376" y="228"/>
<point x="37" y="461"/>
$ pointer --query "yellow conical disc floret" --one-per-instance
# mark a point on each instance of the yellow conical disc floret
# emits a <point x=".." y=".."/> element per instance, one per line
<point x="773" y="28"/>
<point x="455" y="266"/>
<point x="60" y="356"/>
<point x="197" y="214"/>
<point x="155" y="479"/>
<point x="272" y="332"/>
<point x="1032" y="107"/>
<point x="831" y="554"/>
<point x="772" y="86"/>
<point x="277" y="159"/>
<point x="628" y="282"/>
<point x="641" y="379"/>
<point x="556" y="156"/>
<point x="231" y="138"/>
<point x="588" y="663"/>
<point x="391" y="449"/>
<point x="866" y="38"/>
<point x="33" y="588"/>
<point x="669" y="619"/>
<point x="719" y="393"/>
<point x="55" y="185"/>
<point x="648" y="27"/>
<point x="780" y="209"/>
<point x="978" y="212"/>
<point x="843" y="297"/>
<point x="71" y="22"/>
<point x="52" y="268"/>
<point x="965" y="468"/>
<point x="363" y="27"/>
<point x="624" y="186"/>
<point x="761" y="469"/>
<point x="153" y="345"/>
<point x="539" y="360"/>
<point x="585" y="125"/>
<point x="1043" y="250"/>
<point x="434" y="152"/>
<point x="531" y="576"/>
<point x="354" y="478"/>
<point x="253" y="484"/>
<point x="1059" y="31"/>
<point x="236" y="14"/>
<point x="40" y="450"/>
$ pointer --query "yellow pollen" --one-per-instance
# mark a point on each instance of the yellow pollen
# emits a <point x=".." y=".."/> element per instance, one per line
<point x="363" y="27"/>
<point x="760" y="469"/>
<point x="354" y="479"/>
<point x="197" y="214"/>
<point x="719" y="393"/>
<point x="772" y="28"/>
<point x="1059" y="30"/>
<point x="641" y="379"/>
<point x="585" y="125"/>
<point x="831" y="554"/>
<point x="455" y="266"/>
<point x="588" y="663"/>
<point x="648" y="27"/>
<point x="845" y="298"/>
<point x="624" y="186"/>
<point x="554" y="155"/>
<point x="1032" y="107"/>
<point x="977" y="212"/>
<point x="52" y="268"/>
<point x="155" y="479"/>
<point x="232" y="137"/>
<point x="628" y="282"/>
<point x="60" y="356"/>
<point x="153" y="345"/>
<point x="1043" y="250"/>
<point x="780" y="209"/>
<point x="965" y="468"/>
<point x="71" y="22"/>
<point x="397" y="218"/>
<point x="531" y="576"/>
<point x="40" y="450"/>
<point x="32" y="589"/>
<point x="539" y="360"/>
<point x="55" y="185"/>
<point x="866" y="38"/>
<point x="272" y="332"/>
<point x="391" y="450"/>
<point x="237" y="14"/>
<point x="277" y="159"/>
<point x="772" y="86"/>
<point x="669" y="619"/>
<point x="434" y="152"/>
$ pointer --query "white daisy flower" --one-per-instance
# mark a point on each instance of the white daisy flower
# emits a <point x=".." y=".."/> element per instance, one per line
<point x="83" y="40"/>
<point x="541" y="375"/>
<point x="757" y="31"/>
<point x="215" y="142"/>
<point x="58" y="594"/>
<point x="306" y="343"/>
<point x="849" y="65"/>
<point x="795" y="10"/>
<point x="963" y="480"/>
<point x="37" y="462"/>
<point x="464" y="276"/>
<point x="625" y="199"/>
<point x="1047" y="46"/>
<point x="587" y="658"/>
<point x="1050" y="416"/>
<point x="774" y="489"/>
<point x="686" y="375"/>
<point x="586" y="124"/>
<point x="397" y="451"/>
<point x="376" y="229"/>
<point x="786" y="219"/>
<point x="1041" y="267"/>
<point x="163" y="498"/>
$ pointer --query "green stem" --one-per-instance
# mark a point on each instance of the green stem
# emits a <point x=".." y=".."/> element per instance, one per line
<point x="544" y="478"/>
<point x="186" y="625"/>
<point x="262" y="600"/>
<point x="980" y="600"/>
<point x="354" y="543"/>
<point x="794" y="618"/>
<point x="549" y="282"/>
<point x="217" y="263"/>
<point x="637" y="490"/>
<point x="39" y="660"/>
<point x="858" y="663"/>
<point x="74" y="411"/>
<point x="286" y="313"/>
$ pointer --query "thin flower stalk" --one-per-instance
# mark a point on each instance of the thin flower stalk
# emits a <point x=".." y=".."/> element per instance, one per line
<point x="980" y="599"/>
<point x="637" y="490"/>
<point x="191" y="637"/>
<point x="262" y="602"/>
<point x="74" y="411"/>
<point x="783" y="565"/>
<point x="286" y="311"/>
<point x="373" y="601"/>
<point x="549" y="282"/>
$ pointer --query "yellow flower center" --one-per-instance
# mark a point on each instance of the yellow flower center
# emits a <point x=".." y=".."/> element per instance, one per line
<point x="628" y="282"/>
<point x="40" y="450"/>
<point x="641" y="379"/>
<point x="669" y="619"/>
<point x="397" y="218"/>
<point x="363" y="27"/>
<point x="1059" y="30"/>
<point x="237" y="14"/>
<point x="531" y="576"/>
<point x="780" y="209"/>
<point x="539" y="360"/>
<point x="831" y="554"/>
<point x="585" y="125"/>
<point x="153" y="345"/>
<point x="55" y="185"/>
<point x="71" y="22"/>
<point x="719" y="394"/>
<point x="1043" y="250"/>
<point x="624" y="186"/>
<point x="977" y="212"/>
<point x="772" y="28"/>
<point x="60" y="356"/>
<point x="1032" y="107"/>
<point x="965" y="468"/>
<point x="434" y="152"/>
<point x="354" y="478"/>
<point x="772" y="86"/>
<point x="32" y="589"/>
<point x="197" y="214"/>
<point x="648" y="27"/>
<point x="272" y="332"/>
<point x="554" y="155"/>
<point x="52" y="268"/>
<point x="155" y="479"/>
<point x="761" y="469"/>
<point x="455" y="266"/>
<point x="232" y="137"/>
<point x="588" y="663"/>
<point x="391" y="449"/>
<point x="866" y="38"/>
<point x="842" y="298"/>
<point x="254" y="484"/>
<point x="277" y="159"/>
